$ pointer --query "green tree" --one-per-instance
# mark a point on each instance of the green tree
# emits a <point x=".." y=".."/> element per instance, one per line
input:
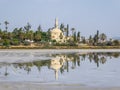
<point x="6" y="25"/>
<point x="44" y="36"/>
<point x="39" y="28"/>
<point x="96" y="38"/>
<point x="62" y="27"/>
<point x="75" y="38"/>
<point x="78" y="36"/>
<point x="67" y="33"/>
<point x="83" y="39"/>
<point x="102" y="37"/>
<point x="116" y="42"/>
<point x="0" y="28"/>
<point x="27" y="27"/>
<point x="49" y="34"/>
<point x="73" y="30"/>
<point x="97" y="35"/>
<point x="37" y="36"/>
<point x="21" y="34"/>
<point x="6" y="42"/>
<point x="90" y="40"/>
<point x="15" y="42"/>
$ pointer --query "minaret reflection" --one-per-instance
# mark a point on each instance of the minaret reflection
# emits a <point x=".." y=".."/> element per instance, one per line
<point x="56" y="64"/>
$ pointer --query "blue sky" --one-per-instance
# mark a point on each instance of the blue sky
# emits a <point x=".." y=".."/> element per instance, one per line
<point x="87" y="16"/>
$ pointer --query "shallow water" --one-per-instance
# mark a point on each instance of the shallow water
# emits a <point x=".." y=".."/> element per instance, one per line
<point x="88" y="68"/>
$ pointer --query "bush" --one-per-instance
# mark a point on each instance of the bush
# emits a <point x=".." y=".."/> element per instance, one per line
<point x="116" y="42"/>
<point x="6" y="42"/>
<point x="26" y="43"/>
<point x="15" y="42"/>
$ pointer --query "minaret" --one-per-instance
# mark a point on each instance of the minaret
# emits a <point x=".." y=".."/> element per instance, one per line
<point x="56" y="23"/>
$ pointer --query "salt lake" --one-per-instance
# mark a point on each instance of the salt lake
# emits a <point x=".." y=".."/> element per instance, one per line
<point x="82" y="67"/>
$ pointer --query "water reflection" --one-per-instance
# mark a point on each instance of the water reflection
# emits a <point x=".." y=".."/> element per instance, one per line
<point x="59" y="63"/>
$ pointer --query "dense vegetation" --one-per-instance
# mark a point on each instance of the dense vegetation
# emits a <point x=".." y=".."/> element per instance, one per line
<point x="26" y="36"/>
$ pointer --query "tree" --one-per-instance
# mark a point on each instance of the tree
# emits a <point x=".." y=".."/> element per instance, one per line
<point x="102" y="37"/>
<point x="83" y="40"/>
<point x="39" y="28"/>
<point x="6" y="42"/>
<point x="37" y="36"/>
<point x="1" y="33"/>
<point x="75" y="38"/>
<point x="21" y="34"/>
<point x="6" y="23"/>
<point x="0" y="24"/>
<point x="44" y="36"/>
<point x="27" y="27"/>
<point x="90" y="40"/>
<point x="30" y="35"/>
<point x="116" y="42"/>
<point x="65" y="30"/>
<point x="49" y="34"/>
<point x="78" y="36"/>
<point x="73" y="30"/>
<point x="96" y="38"/>
<point x="67" y="33"/>
<point x="62" y="27"/>
<point x="15" y="42"/>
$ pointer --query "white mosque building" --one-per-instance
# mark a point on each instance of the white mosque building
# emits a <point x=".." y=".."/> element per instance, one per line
<point x="57" y="34"/>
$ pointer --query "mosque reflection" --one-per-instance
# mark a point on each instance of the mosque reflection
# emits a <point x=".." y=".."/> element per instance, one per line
<point x="60" y="62"/>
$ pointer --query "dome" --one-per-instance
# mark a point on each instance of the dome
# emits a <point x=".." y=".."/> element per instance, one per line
<point x="56" y="30"/>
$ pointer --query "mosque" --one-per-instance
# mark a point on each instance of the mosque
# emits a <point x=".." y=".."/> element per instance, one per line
<point x="57" y="34"/>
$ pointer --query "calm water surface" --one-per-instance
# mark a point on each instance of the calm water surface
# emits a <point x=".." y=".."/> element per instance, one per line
<point x="90" y="68"/>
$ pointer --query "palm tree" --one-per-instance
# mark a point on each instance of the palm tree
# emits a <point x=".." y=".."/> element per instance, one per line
<point x="39" y="28"/>
<point x="27" y="27"/>
<point x="6" y="23"/>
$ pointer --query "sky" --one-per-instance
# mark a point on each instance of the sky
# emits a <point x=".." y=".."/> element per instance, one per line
<point x="86" y="16"/>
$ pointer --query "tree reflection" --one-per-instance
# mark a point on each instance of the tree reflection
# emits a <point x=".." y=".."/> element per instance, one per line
<point x="62" y="62"/>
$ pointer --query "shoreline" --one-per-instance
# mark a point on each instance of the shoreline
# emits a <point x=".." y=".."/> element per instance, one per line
<point x="41" y="86"/>
<point x="60" y="50"/>
<point x="60" y="47"/>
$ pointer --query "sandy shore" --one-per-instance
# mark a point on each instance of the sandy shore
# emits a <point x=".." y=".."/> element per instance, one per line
<point x="59" y="50"/>
<point x="32" y="86"/>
